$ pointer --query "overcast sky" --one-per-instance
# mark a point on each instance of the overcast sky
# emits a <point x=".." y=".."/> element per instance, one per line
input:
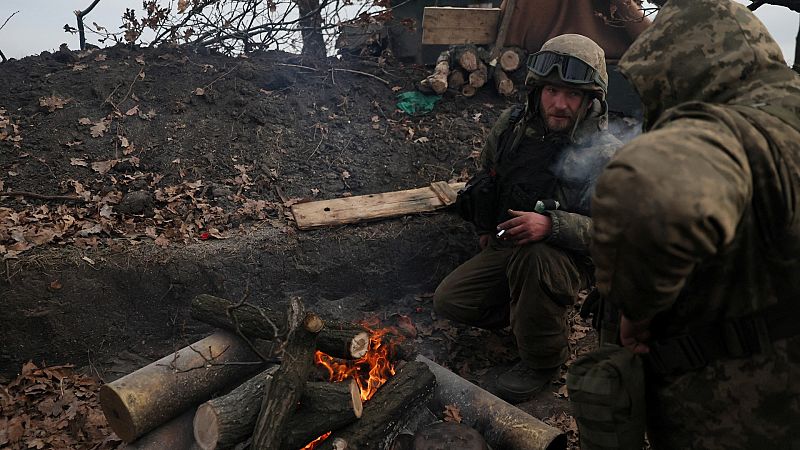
<point x="39" y="24"/>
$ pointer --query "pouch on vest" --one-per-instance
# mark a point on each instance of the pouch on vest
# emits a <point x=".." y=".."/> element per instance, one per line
<point x="477" y="201"/>
<point x="606" y="392"/>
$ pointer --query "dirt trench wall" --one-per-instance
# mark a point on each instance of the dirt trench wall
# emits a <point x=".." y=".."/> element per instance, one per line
<point x="132" y="307"/>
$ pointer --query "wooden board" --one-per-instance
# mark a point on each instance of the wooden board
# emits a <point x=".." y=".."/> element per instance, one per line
<point x="369" y="207"/>
<point x="446" y="25"/>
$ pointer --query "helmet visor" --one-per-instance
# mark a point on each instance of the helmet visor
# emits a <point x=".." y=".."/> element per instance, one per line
<point x="570" y="68"/>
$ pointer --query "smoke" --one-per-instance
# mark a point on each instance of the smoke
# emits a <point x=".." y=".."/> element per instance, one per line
<point x="624" y="128"/>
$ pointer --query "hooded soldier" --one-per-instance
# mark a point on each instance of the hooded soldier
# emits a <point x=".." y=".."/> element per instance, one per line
<point x="703" y="259"/>
<point x="530" y="205"/>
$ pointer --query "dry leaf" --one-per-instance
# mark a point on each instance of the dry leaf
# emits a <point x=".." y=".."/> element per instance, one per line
<point x="182" y="5"/>
<point x="149" y="115"/>
<point x="421" y="140"/>
<point x="55" y="285"/>
<point x="53" y="102"/>
<point x="99" y="128"/>
<point x="73" y="144"/>
<point x="78" y="162"/>
<point x="123" y="141"/>
<point x="139" y="59"/>
<point x="100" y="57"/>
<point x="132" y="111"/>
<point x="345" y="175"/>
<point x="85" y="121"/>
<point x="452" y="414"/>
<point x="79" y="67"/>
<point x="104" y="166"/>
<point x="199" y="91"/>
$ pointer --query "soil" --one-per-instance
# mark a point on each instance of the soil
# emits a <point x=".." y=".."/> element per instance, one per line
<point x="144" y="177"/>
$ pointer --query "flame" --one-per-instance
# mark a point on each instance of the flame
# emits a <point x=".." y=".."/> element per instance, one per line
<point x="316" y="441"/>
<point x="370" y="372"/>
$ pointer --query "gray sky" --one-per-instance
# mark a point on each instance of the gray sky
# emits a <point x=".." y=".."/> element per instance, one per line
<point x="39" y="24"/>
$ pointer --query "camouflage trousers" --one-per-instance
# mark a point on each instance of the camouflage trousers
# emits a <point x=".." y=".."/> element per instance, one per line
<point x="528" y="287"/>
<point x="748" y="403"/>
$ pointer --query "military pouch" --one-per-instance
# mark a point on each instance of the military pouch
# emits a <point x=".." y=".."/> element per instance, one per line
<point x="606" y="392"/>
<point x="477" y="201"/>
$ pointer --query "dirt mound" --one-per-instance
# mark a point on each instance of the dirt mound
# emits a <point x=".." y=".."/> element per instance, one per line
<point x="135" y="179"/>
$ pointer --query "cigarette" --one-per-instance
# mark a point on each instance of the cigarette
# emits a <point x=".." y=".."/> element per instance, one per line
<point x="500" y="233"/>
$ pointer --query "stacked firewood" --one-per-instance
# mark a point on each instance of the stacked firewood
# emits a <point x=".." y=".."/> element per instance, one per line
<point x="254" y="382"/>
<point x="467" y="68"/>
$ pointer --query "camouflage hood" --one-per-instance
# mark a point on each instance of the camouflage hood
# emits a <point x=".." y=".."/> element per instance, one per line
<point x="713" y="51"/>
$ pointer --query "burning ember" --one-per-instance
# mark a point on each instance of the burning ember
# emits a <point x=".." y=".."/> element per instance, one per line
<point x="370" y="372"/>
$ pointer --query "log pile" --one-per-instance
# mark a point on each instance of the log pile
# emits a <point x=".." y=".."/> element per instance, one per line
<point x="253" y="382"/>
<point x="467" y="68"/>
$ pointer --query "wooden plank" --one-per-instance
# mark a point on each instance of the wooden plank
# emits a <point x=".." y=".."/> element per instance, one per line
<point x="445" y="193"/>
<point x="367" y="207"/>
<point x="446" y="25"/>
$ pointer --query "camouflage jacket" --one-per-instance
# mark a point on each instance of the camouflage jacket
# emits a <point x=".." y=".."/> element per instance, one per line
<point x="698" y="220"/>
<point x="575" y="169"/>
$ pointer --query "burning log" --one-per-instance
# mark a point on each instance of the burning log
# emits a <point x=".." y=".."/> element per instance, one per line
<point x="479" y="76"/>
<point x="503" y="84"/>
<point x="387" y="412"/>
<point x="150" y="396"/>
<point x="257" y="322"/>
<point x="287" y="386"/>
<point x="503" y="425"/>
<point x="438" y="80"/>
<point x="456" y="79"/>
<point x="324" y="407"/>
<point x="228" y="419"/>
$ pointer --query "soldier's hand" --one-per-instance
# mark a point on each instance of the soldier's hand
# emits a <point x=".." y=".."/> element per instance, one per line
<point x="634" y="335"/>
<point x="525" y="227"/>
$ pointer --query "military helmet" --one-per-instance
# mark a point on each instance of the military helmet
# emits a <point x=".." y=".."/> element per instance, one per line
<point x="581" y="64"/>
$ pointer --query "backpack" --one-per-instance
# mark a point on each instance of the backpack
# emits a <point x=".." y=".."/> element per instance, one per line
<point x="606" y="392"/>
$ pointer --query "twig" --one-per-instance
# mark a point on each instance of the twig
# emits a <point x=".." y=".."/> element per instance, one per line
<point x="40" y="196"/>
<point x="79" y="15"/>
<point x="9" y="18"/>
<point x="365" y="74"/>
<point x="297" y="65"/>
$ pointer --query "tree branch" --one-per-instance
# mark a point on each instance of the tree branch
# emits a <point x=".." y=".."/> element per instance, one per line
<point x="79" y="15"/>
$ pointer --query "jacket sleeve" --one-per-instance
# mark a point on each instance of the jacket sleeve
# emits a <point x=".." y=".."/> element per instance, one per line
<point x="570" y="231"/>
<point x="670" y="199"/>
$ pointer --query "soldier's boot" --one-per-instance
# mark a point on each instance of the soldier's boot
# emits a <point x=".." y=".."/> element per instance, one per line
<point x="522" y="382"/>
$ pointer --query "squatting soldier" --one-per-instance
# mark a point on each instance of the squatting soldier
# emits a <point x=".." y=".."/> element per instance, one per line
<point x="697" y="230"/>
<point x="530" y="205"/>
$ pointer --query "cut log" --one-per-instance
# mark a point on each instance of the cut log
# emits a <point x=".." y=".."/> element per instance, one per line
<point x="175" y="434"/>
<point x="360" y="208"/>
<point x="467" y="57"/>
<point x="503" y="84"/>
<point x="226" y="420"/>
<point x="438" y="80"/>
<point x="511" y="58"/>
<point x="501" y="424"/>
<point x="479" y="76"/>
<point x="324" y="407"/>
<point x="456" y="79"/>
<point x="468" y="90"/>
<point x="388" y="411"/>
<point x="154" y="394"/>
<point x="282" y="395"/>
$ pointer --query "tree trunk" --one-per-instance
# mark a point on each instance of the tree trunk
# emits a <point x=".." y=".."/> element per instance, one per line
<point x="388" y="411"/>
<point x="324" y="407"/>
<point x="261" y="322"/>
<point x="479" y="77"/>
<point x="501" y="81"/>
<point x="280" y="400"/>
<point x="226" y="420"/>
<point x="311" y="28"/>
<point x="438" y="80"/>
<point x="154" y="394"/>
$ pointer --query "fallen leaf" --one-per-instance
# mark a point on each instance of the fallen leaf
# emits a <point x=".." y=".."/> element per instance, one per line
<point x="199" y="91"/>
<point x="104" y="166"/>
<point x="345" y="175"/>
<point x="139" y="59"/>
<point x="88" y="260"/>
<point x="78" y="162"/>
<point x="53" y="102"/>
<point x="79" y="67"/>
<point x="100" y="57"/>
<point x="421" y="140"/>
<point x="396" y="88"/>
<point x="85" y="121"/>
<point x="99" y="128"/>
<point x="73" y="144"/>
<point x="132" y="111"/>
<point x="123" y="141"/>
<point x="55" y="285"/>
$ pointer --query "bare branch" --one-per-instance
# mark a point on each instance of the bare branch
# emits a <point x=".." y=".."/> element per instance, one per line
<point x="9" y="18"/>
<point x="79" y="15"/>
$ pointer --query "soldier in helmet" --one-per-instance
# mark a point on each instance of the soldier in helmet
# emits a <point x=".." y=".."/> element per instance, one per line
<point x="530" y="207"/>
<point x="704" y="260"/>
